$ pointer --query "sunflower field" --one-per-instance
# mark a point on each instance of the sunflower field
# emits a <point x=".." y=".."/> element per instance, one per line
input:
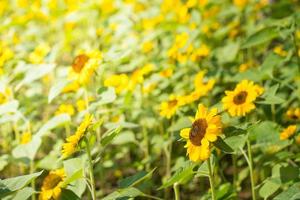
<point x="149" y="99"/>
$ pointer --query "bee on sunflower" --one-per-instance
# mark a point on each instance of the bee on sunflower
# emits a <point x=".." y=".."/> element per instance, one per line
<point x="240" y="101"/>
<point x="206" y="127"/>
<point x="71" y="144"/>
<point x="52" y="185"/>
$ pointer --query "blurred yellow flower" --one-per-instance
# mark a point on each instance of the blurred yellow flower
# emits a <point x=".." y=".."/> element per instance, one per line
<point x="147" y="46"/>
<point x="288" y="132"/>
<point x="52" y="185"/>
<point x="118" y="81"/>
<point x="206" y="127"/>
<point x="293" y="113"/>
<point x="169" y="108"/>
<point x="166" y="73"/>
<point x="71" y="144"/>
<point x="25" y="138"/>
<point x="5" y="95"/>
<point x="84" y="66"/>
<point x="201" y="85"/>
<point x="240" y="3"/>
<point x="5" y="55"/>
<point x="241" y="100"/>
<point x="81" y="105"/>
<point x="279" y="51"/>
<point x="65" y="109"/>
<point x="39" y="53"/>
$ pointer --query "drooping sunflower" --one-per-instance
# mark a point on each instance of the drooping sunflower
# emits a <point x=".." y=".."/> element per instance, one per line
<point x="206" y="127"/>
<point x="288" y="132"/>
<point x="241" y="100"/>
<point x="168" y="108"/>
<point x="84" y="65"/>
<point x="71" y="144"/>
<point x="52" y="184"/>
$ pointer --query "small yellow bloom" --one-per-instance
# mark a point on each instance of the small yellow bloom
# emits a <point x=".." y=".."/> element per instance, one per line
<point x="84" y="66"/>
<point x="169" y="108"/>
<point x="288" y="132"/>
<point x="5" y="95"/>
<point x="52" y="185"/>
<point x="279" y="51"/>
<point x="293" y="113"/>
<point x="71" y="144"/>
<point x="25" y="138"/>
<point x="298" y="139"/>
<point x="81" y="105"/>
<point x="118" y="81"/>
<point x="240" y="101"/>
<point x="39" y="53"/>
<point x="206" y="128"/>
<point x="5" y="55"/>
<point x="240" y="3"/>
<point x="65" y="109"/>
<point x="147" y="46"/>
<point x="166" y="73"/>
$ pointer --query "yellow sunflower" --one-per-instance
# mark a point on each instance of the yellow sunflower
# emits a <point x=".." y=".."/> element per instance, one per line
<point x="240" y="101"/>
<point x="118" y="81"/>
<point x="293" y="113"/>
<point x="168" y="108"/>
<point x="71" y="144"/>
<point x="52" y="184"/>
<point x="288" y="132"/>
<point x="206" y="127"/>
<point x="84" y="65"/>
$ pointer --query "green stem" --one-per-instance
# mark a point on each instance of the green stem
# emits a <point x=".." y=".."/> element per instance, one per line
<point x="234" y="162"/>
<point x="211" y="180"/>
<point x="250" y="163"/>
<point x="91" y="170"/>
<point x="176" y="191"/>
<point x="296" y="49"/>
<point x="33" y="181"/>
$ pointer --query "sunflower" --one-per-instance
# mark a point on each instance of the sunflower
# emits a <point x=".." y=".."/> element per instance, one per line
<point x="71" y="144"/>
<point x="65" y="109"/>
<point x="52" y="184"/>
<point x="293" y="113"/>
<point x="288" y="132"/>
<point x="118" y="81"/>
<point x="240" y="101"/>
<point x="84" y="65"/>
<point x="205" y="129"/>
<point x="168" y="108"/>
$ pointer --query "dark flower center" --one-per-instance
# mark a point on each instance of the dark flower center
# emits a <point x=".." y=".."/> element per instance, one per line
<point x="172" y="103"/>
<point x="197" y="131"/>
<point x="240" y="98"/>
<point x="79" y="62"/>
<point x="53" y="181"/>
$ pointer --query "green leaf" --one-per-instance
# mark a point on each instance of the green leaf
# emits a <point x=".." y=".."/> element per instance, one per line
<point x="260" y="37"/>
<point x="180" y="175"/>
<point x="7" y="186"/>
<point x="57" y="88"/>
<point x="68" y="195"/>
<point x="35" y="72"/>
<point x="24" y="193"/>
<point x="29" y="150"/>
<point x="223" y="145"/>
<point x="135" y="179"/>
<point x="231" y="144"/>
<point x="228" y="53"/>
<point x="270" y="96"/>
<point x="270" y="186"/>
<point x="9" y="107"/>
<point x="181" y="123"/>
<point x="109" y="136"/>
<point x="292" y="193"/>
<point x="106" y="95"/>
<point x="122" y="193"/>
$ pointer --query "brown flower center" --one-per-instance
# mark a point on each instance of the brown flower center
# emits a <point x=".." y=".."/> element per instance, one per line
<point x="79" y="62"/>
<point x="172" y="103"/>
<point x="197" y="131"/>
<point x="240" y="98"/>
<point x="52" y="181"/>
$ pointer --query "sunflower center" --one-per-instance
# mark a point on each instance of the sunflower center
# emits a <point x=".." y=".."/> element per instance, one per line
<point x="53" y="181"/>
<point x="172" y="103"/>
<point x="197" y="131"/>
<point x="79" y="62"/>
<point x="240" y="98"/>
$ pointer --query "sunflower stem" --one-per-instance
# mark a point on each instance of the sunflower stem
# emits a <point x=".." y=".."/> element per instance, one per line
<point x="86" y="99"/>
<point x="211" y="180"/>
<point x="91" y="170"/>
<point x="234" y="162"/>
<point x="250" y="163"/>
<point x="176" y="191"/>
<point x="33" y="181"/>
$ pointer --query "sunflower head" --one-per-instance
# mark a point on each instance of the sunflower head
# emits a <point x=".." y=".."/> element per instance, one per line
<point x="52" y="184"/>
<point x="241" y="100"/>
<point x="288" y="132"/>
<point x="205" y="129"/>
<point x="169" y="108"/>
<point x="79" y="62"/>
